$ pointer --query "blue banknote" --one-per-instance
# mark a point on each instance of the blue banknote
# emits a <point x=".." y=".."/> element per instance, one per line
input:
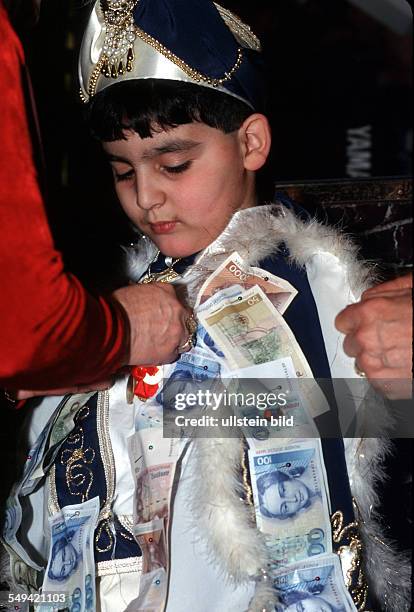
<point x="193" y="372"/>
<point x="71" y="564"/>
<point x="316" y="585"/>
<point x="291" y="500"/>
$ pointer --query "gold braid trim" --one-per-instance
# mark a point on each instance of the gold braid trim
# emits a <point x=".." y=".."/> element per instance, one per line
<point x="191" y="72"/>
<point x="348" y="537"/>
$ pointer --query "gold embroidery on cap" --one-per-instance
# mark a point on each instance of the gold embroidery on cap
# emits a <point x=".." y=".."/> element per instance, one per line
<point x="118" y="55"/>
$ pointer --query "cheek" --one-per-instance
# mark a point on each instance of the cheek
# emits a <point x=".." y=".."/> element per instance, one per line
<point x="127" y="198"/>
<point x="211" y="197"/>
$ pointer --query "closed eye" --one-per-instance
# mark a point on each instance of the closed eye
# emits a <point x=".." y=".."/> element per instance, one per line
<point x="124" y="176"/>
<point x="177" y="169"/>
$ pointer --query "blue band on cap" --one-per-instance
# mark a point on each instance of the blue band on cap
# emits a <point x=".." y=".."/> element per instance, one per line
<point x="195" y="32"/>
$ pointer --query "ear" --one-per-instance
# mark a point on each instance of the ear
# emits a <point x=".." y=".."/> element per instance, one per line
<point x="256" y="138"/>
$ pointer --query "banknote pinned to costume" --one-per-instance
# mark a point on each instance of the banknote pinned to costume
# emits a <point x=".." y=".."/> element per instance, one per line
<point x="315" y="585"/>
<point x="196" y="370"/>
<point x="234" y="276"/>
<point x="250" y="331"/>
<point x="153" y="460"/>
<point x="231" y="279"/>
<point x="291" y="499"/>
<point x="33" y="471"/>
<point x="278" y="399"/>
<point x="71" y="564"/>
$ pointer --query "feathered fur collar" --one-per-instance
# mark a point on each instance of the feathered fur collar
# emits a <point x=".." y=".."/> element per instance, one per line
<point x="257" y="233"/>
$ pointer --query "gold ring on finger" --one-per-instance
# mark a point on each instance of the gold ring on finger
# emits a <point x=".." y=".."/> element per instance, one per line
<point x="191" y="324"/>
<point x="183" y="348"/>
<point x="360" y="373"/>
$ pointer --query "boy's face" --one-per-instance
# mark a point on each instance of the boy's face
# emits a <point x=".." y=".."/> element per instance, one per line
<point x="181" y="186"/>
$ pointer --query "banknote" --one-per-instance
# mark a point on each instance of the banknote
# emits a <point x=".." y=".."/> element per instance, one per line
<point x="206" y="342"/>
<point x="192" y="371"/>
<point x="278" y="394"/>
<point x="153" y="459"/>
<point x="71" y="564"/>
<point x="316" y="585"/>
<point x="32" y="470"/>
<point x="290" y="492"/>
<point x="219" y="296"/>
<point x="153" y="488"/>
<point x="13" y="509"/>
<point x="152" y="593"/>
<point x="249" y="330"/>
<point x="148" y="415"/>
<point x="235" y="271"/>
<point x="12" y="521"/>
<point x="152" y="539"/>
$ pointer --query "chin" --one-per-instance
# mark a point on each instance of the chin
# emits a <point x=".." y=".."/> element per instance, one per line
<point x="176" y="250"/>
<point x="179" y="253"/>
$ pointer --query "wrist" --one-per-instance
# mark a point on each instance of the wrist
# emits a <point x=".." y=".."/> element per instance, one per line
<point x="120" y="311"/>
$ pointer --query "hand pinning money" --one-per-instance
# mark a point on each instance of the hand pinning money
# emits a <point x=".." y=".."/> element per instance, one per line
<point x="378" y="333"/>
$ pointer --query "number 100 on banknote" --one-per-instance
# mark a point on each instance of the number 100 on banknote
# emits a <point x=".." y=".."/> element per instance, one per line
<point x="291" y="502"/>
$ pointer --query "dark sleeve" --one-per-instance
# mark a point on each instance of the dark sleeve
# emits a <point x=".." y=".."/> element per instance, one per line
<point x="52" y="332"/>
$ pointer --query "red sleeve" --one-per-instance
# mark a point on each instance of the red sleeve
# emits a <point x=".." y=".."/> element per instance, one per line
<point x="52" y="332"/>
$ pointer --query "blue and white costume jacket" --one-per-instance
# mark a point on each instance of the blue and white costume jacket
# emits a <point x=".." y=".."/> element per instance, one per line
<point x="215" y="549"/>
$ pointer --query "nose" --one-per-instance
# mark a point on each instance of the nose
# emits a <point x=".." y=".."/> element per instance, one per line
<point x="149" y="192"/>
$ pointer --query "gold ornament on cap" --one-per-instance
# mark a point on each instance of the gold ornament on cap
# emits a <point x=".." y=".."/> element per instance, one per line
<point x="117" y="55"/>
<point x="122" y="39"/>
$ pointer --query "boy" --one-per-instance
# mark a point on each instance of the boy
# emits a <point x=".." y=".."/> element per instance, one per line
<point x="174" y="95"/>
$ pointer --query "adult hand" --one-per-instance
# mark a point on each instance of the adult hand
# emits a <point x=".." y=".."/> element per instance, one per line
<point x="157" y="322"/>
<point x="379" y="334"/>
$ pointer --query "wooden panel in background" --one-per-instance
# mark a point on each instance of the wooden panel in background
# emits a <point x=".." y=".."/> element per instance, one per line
<point x="378" y="212"/>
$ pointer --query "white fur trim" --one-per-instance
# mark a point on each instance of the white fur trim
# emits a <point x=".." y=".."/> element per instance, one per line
<point x="233" y="539"/>
<point x="388" y="572"/>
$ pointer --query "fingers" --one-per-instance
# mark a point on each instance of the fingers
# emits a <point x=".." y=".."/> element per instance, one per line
<point x="403" y="282"/>
<point x="157" y="321"/>
<point x="378" y="335"/>
<point x="349" y="319"/>
<point x="374" y="309"/>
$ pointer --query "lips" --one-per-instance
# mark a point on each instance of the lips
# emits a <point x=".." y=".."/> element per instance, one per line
<point x="163" y="227"/>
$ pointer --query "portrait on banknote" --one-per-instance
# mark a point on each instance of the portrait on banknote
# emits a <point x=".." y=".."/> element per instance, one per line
<point x="287" y="488"/>
<point x="313" y="588"/>
<point x="64" y="558"/>
<point x="151" y="498"/>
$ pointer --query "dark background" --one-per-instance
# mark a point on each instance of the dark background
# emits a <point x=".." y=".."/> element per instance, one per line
<point x="333" y="70"/>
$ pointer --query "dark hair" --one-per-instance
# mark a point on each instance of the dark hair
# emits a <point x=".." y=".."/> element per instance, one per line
<point x="150" y="105"/>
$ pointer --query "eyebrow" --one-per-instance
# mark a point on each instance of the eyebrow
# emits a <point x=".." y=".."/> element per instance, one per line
<point x="172" y="146"/>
